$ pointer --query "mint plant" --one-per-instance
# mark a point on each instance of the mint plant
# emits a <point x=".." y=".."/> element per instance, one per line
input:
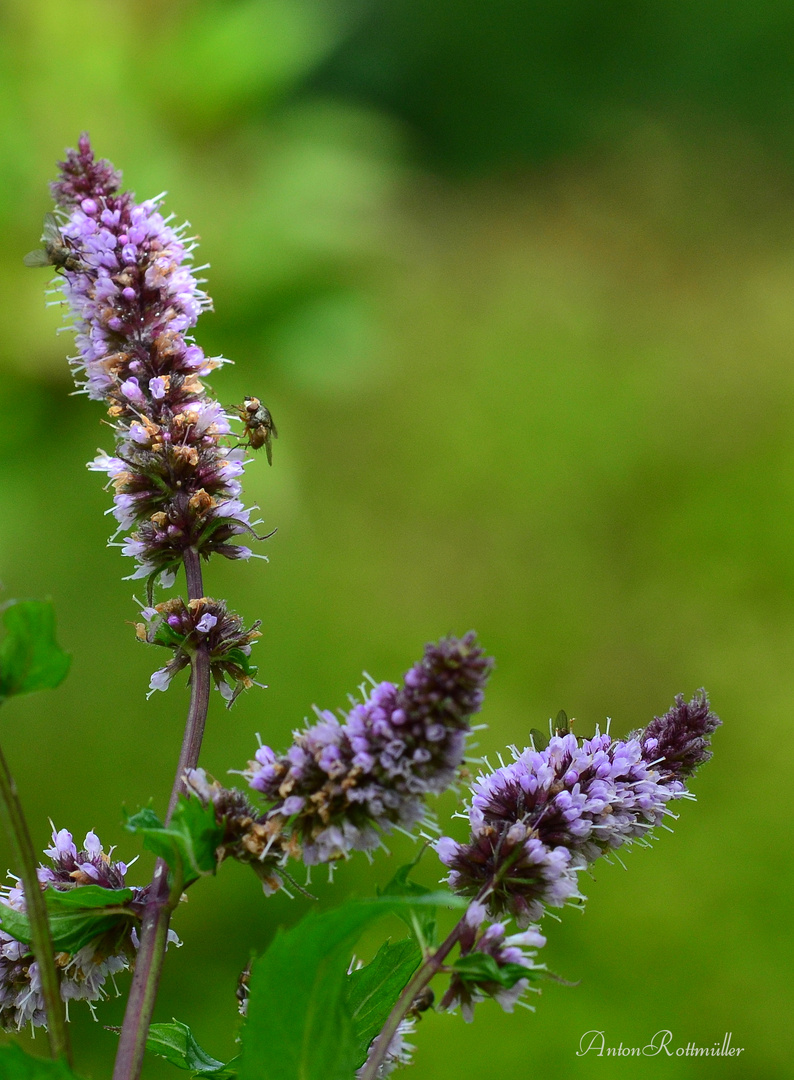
<point x="69" y="926"/>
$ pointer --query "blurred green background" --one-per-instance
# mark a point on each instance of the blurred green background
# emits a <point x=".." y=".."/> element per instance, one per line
<point x="516" y="281"/>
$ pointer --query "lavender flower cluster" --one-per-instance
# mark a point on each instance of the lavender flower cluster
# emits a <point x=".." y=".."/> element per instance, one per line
<point x="133" y="298"/>
<point x="180" y="626"/>
<point x="538" y="821"/>
<point x="83" y="974"/>
<point x="344" y="782"/>
<point x="341" y="783"/>
<point x="510" y="958"/>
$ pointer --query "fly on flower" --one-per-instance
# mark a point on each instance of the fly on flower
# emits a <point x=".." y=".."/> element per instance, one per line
<point x="259" y="426"/>
<point x="56" y="251"/>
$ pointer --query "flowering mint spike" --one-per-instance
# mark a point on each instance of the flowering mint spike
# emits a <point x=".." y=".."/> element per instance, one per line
<point x="678" y="742"/>
<point x="80" y="885"/>
<point x="538" y="821"/>
<point x="134" y="300"/>
<point x="491" y="964"/>
<point x="341" y="783"/>
<point x="182" y="627"/>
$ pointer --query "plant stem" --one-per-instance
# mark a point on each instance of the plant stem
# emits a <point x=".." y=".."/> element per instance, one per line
<point x="154" y="925"/>
<point x="422" y="976"/>
<point x="36" y="910"/>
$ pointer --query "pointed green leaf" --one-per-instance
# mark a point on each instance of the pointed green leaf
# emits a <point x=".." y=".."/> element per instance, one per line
<point x="373" y="990"/>
<point x="407" y="894"/>
<point x="76" y="916"/>
<point x="177" y="1044"/>
<point x="190" y="841"/>
<point x="299" y="1026"/>
<point x="30" y="657"/>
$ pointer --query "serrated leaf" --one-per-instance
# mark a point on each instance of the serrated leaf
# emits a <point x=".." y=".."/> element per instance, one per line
<point x="299" y="1026"/>
<point x="373" y="990"/>
<point x="15" y="1064"/>
<point x="30" y="657"/>
<point x="177" y="1044"/>
<point x="188" y="844"/>
<point x="75" y="915"/>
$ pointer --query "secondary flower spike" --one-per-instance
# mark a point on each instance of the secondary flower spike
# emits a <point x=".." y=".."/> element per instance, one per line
<point x="134" y="299"/>
<point x="343" y="781"/>
<point x="84" y="972"/>
<point x="539" y="820"/>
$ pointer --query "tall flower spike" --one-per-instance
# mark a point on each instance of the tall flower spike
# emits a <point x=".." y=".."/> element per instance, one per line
<point x="134" y="299"/>
<point x="539" y="820"/>
<point x="341" y="783"/>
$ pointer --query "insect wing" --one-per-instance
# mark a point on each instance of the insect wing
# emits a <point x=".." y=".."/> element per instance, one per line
<point x="39" y="257"/>
<point x="52" y="233"/>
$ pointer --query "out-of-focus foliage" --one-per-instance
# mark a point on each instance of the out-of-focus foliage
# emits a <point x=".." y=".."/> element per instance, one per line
<point x="508" y="82"/>
<point x="557" y="408"/>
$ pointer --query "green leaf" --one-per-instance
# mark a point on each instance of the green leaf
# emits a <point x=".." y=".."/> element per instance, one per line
<point x="422" y="916"/>
<point x="177" y="1044"/>
<point x="188" y="844"/>
<point x="562" y="724"/>
<point x="299" y="1026"/>
<point x="482" y="968"/>
<point x="75" y="915"/>
<point x="373" y="990"/>
<point x="30" y="657"/>
<point x="15" y="1064"/>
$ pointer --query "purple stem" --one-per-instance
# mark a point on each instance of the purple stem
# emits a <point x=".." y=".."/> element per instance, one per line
<point x="154" y="925"/>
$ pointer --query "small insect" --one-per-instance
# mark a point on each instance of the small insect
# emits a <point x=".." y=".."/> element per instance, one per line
<point x="242" y="991"/>
<point x="259" y="426"/>
<point x="422" y="1002"/>
<point x="56" y="251"/>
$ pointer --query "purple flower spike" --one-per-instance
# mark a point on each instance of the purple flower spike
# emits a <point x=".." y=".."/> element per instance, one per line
<point x="678" y="742"/>
<point x="342" y="783"/>
<point x="134" y="298"/>
<point x="538" y="821"/>
<point x="82" y="974"/>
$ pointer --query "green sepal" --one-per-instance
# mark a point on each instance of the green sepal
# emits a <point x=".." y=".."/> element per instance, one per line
<point x="188" y="844"/>
<point x="176" y="1043"/>
<point x="167" y="636"/>
<point x="30" y="657"/>
<point x="373" y="990"/>
<point x="240" y="660"/>
<point x="15" y="1064"/>
<point x="540" y="739"/>
<point x="75" y="915"/>
<point x="477" y="968"/>
<point x="562" y="725"/>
